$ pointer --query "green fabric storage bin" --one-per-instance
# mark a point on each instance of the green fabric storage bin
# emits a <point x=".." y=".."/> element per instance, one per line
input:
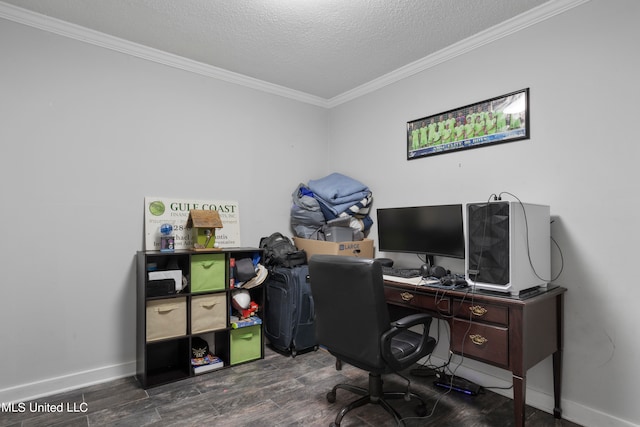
<point x="208" y="272"/>
<point x="246" y="344"/>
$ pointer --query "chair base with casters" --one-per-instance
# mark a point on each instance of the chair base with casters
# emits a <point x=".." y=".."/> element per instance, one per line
<point x="375" y="395"/>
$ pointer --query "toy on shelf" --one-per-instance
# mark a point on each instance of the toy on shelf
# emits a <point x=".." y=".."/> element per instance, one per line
<point x="167" y="241"/>
<point x="202" y="360"/>
<point x="241" y="301"/>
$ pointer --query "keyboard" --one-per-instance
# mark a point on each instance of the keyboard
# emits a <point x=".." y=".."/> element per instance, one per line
<point x="416" y="281"/>
<point x="412" y="276"/>
<point x="406" y="273"/>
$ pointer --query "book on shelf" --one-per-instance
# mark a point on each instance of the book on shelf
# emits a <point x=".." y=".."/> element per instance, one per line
<point x="206" y="363"/>
<point x="242" y="323"/>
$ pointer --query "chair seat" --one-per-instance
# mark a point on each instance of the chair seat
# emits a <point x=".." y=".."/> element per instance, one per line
<point x="405" y="343"/>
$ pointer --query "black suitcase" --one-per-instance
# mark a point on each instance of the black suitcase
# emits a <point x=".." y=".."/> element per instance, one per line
<point x="289" y="316"/>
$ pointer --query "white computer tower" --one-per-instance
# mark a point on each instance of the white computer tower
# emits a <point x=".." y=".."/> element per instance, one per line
<point x="508" y="246"/>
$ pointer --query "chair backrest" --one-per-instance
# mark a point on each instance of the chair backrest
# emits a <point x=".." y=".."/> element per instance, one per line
<point x="350" y="308"/>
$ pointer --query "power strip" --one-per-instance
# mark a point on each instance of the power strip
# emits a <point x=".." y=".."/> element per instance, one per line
<point x="458" y="384"/>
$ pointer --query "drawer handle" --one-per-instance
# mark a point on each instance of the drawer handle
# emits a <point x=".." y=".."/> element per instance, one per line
<point x="166" y="309"/>
<point x="478" y="310"/>
<point x="208" y="306"/>
<point x="478" y="339"/>
<point x="406" y="296"/>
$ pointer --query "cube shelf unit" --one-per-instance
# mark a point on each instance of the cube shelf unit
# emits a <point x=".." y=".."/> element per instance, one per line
<point x="168" y="321"/>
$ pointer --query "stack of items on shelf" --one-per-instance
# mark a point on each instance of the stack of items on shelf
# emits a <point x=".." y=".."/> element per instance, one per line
<point x="245" y="310"/>
<point x="201" y="358"/>
<point x="331" y="211"/>
<point x="237" y="323"/>
<point x="245" y="274"/>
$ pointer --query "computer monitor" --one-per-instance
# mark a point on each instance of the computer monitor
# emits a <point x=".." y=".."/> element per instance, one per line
<point x="436" y="230"/>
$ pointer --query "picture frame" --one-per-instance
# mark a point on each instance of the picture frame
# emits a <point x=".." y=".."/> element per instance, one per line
<point x="497" y="120"/>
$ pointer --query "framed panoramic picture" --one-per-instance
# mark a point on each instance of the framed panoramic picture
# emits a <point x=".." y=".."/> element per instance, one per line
<point x="494" y="121"/>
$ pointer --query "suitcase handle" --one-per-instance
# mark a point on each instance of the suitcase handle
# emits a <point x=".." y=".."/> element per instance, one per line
<point x="312" y="310"/>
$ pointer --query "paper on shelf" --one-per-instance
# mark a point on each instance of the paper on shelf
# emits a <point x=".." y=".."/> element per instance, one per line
<point x="168" y="274"/>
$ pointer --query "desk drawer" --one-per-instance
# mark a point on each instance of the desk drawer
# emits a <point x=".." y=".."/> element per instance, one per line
<point x="481" y="342"/>
<point x="417" y="301"/>
<point x="480" y="312"/>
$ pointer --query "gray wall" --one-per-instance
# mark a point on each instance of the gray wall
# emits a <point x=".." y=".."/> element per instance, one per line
<point x="581" y="68"/>
<point x="87" y="133"/>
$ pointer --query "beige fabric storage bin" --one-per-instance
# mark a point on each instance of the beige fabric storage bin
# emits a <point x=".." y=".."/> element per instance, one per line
<point x="166" y="318"/>
<point x="208" y="313"/>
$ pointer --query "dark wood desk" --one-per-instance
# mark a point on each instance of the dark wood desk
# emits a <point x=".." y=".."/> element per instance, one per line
<point x="510" y="333"/>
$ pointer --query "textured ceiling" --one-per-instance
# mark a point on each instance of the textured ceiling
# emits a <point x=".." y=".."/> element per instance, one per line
<point x="319" y="47"/>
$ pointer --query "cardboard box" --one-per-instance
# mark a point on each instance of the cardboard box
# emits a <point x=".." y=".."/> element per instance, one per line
<point x="357" y="248"/>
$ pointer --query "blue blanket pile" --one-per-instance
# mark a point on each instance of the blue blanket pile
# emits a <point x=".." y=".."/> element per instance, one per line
<point x="341" y="196"/>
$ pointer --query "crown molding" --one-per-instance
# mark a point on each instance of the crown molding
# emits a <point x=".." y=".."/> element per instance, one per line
<point x="520" y="22"/>
<point x="66" y="29"/>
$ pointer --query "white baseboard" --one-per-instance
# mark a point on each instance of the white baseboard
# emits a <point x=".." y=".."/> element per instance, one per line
<point x="34" y="390"/>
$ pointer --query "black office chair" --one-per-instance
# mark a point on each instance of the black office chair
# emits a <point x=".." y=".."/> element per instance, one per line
<point x="352" y="322"/>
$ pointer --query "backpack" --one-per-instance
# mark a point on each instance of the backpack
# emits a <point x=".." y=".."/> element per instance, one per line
<point x="279" y="251"/>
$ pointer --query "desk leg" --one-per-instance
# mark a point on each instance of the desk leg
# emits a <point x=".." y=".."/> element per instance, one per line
<point x="557" y="383"/>
<point x="557" y="358"/>
<point x="519" y="389"/>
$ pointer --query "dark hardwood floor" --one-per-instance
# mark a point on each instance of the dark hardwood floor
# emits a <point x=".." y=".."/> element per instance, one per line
<point x="276" y="391"/>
